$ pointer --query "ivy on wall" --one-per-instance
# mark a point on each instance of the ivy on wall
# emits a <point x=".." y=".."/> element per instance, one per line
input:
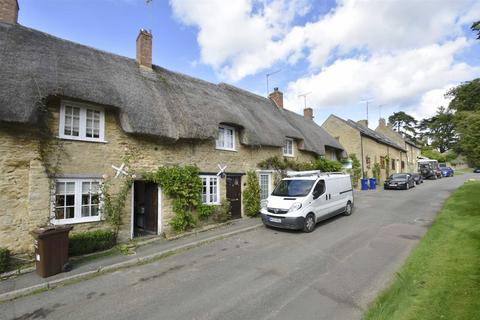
<point x="251" y="195"/>
<point x="281" y="164"/>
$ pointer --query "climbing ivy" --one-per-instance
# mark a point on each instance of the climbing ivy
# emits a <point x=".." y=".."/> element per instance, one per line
<point x="376" y="171"/>
<point x="281" y="164"/>
<point x="356" y="169"/>
<point x="251" y="194"/>
<point x="184" y="186"/>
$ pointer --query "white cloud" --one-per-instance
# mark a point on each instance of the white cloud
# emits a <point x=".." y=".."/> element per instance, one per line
<point x="388" y="78"/>
<point x="430" y="102"/>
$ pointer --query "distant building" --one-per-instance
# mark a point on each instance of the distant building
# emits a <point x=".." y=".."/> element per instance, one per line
<point x="368" y="145"/>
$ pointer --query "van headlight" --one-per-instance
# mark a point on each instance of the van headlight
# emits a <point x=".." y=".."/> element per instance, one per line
<point x="264" y="204"/>
<point x="295" y="207"/>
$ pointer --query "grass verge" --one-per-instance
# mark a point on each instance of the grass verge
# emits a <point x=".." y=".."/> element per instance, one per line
<point x="441" y="278"/>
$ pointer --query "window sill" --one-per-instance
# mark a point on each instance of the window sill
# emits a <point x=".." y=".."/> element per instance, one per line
<point x="81" y="140"/>
<point x="225" y="149"/>
<point x="212" y="204"/>
<point x="289" y="155"/>
<point x="76" y="221"/>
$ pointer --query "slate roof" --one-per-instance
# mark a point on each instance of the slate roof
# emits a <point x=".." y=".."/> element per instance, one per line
<point x="158" y="102"/>
<point x="371" y="134"/>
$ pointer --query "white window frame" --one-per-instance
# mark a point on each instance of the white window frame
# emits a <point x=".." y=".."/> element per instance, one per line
<point x="77" y="205"/>
<point x="285" y="147"/>
<point x="269" y="183"/>
<point x="208" y="179"/>
<point x="218" y="144"/>
<point x="82" y="123"/>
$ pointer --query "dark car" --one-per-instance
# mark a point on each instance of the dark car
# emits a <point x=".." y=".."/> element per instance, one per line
<point x="427" y="171"/>
<point x="399" y="181"/>
<point x="447" y="172"/>
<point x="417" y="177"/>
<point x="476" y="170"/>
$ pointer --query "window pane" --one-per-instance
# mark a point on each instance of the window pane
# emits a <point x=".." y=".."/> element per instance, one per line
<point x="85" y="199"/>
<point x="60" y="201"/>
<point x="70" y="200"/>
<point x="60" y="187"/>
<point x="85" y="211"/>
<point x="59" y="213"/>
<point x="94" y="211"/>
<point x="70" y="187"/>
<point x="70" y="212"/>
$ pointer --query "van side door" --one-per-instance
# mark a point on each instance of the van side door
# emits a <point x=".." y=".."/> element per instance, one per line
<point x="319" y="202"/>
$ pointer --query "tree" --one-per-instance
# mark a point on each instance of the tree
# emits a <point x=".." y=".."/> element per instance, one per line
<point x="439" y="130"/>
<point x="466" y="105"/>
<point x="403" y="123"/>
<point x="251" y="194"/>
<point x="476" y="28"/>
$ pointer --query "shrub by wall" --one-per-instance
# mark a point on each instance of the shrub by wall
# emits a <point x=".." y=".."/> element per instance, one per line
<point x="90" y="241"/>
<point x="4" y="259"/>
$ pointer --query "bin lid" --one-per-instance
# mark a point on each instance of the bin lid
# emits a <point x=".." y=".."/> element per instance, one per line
<point x="49" y="231"/>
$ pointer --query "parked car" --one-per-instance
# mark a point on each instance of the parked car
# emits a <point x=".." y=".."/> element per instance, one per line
<point x="476" y="170"/>
<point x="426" y="170"/>
<point x="399" y="181"/>
<point x="417" y="177"/>
<point x="447" y="172"/>
<point x="438" y="172"/>
<point x="305" y="198"/>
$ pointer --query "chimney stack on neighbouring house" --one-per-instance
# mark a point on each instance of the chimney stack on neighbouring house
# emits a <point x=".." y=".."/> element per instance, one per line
<point x="308" y="113"/>
<point x="9" y="11"/>
<point x="363" y="123"/>
<point x="382" y="122"/>
<point x="277" y="97"/>
<point x="144" y="48"/>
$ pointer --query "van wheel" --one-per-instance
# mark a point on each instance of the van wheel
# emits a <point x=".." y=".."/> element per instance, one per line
<point x="348" y="209"/>
<point x="309" y="223"/>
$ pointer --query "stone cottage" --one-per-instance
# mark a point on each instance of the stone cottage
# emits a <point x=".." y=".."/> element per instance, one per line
<point x="413" y="151"/>
<point x="70" y="113"/>
<point x="368" y="145"/>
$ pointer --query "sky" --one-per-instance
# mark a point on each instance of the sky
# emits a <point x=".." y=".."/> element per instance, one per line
<point x="399" y="55"/>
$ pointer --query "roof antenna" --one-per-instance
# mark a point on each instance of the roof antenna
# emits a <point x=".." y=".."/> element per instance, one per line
<point x="304" y="95"/>
<point x="268" y="75"/>
<point x="366" y="102"/>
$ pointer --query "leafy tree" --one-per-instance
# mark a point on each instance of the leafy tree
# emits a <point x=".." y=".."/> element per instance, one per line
<point x="251" y="194"/>
<point x="439" y="130"/>
<point x="356" y="170"/>
<point x="476" y="28"/>
<point x="466" y="104"/>
<point x="403" y="123"/>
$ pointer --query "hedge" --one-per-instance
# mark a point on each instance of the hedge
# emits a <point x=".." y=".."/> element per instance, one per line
<point x="4" y="259"/>
<point x="90" y="241"/>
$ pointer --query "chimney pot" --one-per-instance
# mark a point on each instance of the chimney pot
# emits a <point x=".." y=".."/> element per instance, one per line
<point x="9" y="11"/>
<point x="144" y="48"/>
<point x="363" y="123"/>
<point x="277" y="97"/>
<point x="308" y="113"/>
<point x="382" y="122"/>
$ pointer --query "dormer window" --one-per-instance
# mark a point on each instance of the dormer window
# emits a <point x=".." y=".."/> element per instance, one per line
<point x="81" y="122"/>
<point x="288" y="147"/>
<point x="226" y="138"/>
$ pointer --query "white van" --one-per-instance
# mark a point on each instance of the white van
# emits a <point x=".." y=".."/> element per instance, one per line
<point x="305" y="198"/>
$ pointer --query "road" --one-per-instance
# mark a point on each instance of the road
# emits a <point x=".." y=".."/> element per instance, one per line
<point x="331" y="273"/>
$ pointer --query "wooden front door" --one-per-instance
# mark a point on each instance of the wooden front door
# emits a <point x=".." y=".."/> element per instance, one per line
<point x="234" y="195"/>
<point x="146" y="208"/>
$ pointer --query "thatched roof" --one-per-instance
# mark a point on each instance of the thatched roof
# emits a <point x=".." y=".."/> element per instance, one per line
<point x="158" y="102"/>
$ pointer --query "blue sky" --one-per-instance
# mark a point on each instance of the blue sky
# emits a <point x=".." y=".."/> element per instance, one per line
<point x="403" y="55"/>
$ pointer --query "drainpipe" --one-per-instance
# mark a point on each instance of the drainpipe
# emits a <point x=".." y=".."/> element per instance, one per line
<point x="363" y="159"/>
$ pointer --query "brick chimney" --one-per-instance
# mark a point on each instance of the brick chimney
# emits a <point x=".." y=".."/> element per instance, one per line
<point x="382" y="122"/>
<point x="363" y="123"/>
<point x="9" y="11"/>
<point x="277" y="98"/>
<point x="308" y="113"/>
<point x="144" y="48"/>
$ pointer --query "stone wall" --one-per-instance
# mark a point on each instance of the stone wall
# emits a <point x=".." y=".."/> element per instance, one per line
<point x="25" y="188"/>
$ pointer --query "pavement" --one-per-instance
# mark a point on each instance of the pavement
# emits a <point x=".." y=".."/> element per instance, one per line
<point x="27" y="283"/>
<point x="247" y="271"/>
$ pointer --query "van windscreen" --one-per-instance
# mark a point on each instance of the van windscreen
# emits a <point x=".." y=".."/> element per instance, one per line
<point x="293" y="188"/>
